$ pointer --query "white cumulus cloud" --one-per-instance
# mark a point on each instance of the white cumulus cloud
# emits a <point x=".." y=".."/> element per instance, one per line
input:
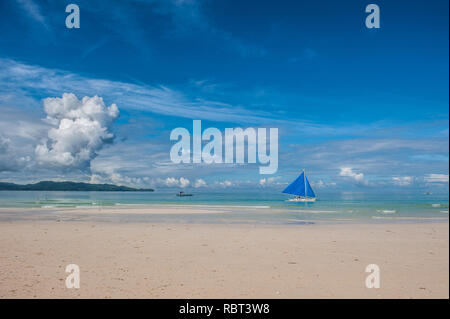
<point x="403" y="180"/>
<point x="81" y="129"/>
<point x="357" y="177"/>
<point x="267" y="181"/>
<point x="322" y="184"/>
<point x="174" y="182"/>
<point x="224" y="184"/>
<point x="199" y="183"/>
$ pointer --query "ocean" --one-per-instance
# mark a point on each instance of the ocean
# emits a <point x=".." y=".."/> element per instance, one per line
<point x="260" y="206"/>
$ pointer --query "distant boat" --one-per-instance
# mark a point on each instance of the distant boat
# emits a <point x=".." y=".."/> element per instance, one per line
<point x="301" y="189"/>
<point x="182" y="194"/>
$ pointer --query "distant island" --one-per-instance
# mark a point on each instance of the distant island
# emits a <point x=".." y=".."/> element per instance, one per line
<point x="70" y="186"/>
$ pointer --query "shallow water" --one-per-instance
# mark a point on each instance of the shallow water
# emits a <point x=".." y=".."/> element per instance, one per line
<point x="245" y="206"/>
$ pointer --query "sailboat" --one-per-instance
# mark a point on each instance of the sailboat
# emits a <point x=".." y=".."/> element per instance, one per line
<point x="301" y="189"/>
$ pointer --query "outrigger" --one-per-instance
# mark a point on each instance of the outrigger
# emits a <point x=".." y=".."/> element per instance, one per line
<point x="301" y="189"/>
<point x="182" y="194"/>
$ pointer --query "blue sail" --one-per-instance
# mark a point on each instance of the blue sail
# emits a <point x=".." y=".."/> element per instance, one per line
<point x="298" y="188"/>
<point x="309" y="190"/>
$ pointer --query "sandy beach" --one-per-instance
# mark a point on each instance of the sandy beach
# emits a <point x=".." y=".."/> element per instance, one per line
<point x="179" y="260"/>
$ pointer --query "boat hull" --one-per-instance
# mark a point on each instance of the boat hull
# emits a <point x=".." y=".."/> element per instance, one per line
<point x="302" y="199"/>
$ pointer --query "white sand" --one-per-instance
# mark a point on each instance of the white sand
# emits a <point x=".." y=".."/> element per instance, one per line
<point x="223" y="261"/>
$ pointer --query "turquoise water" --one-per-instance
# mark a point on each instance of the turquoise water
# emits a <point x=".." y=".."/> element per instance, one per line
<point x="248" y="205"/>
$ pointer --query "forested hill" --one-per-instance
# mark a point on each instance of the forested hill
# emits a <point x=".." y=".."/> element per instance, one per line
<point x="70" y="186"/>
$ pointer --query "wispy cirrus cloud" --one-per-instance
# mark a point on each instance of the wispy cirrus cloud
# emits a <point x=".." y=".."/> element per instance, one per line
<point x="187" y="19"/>
<point x="15" y="76"/>
<point x="34" y="81"/>
<point x="33" y="10"/>
<point x="436" y="178"/>
<point x="30" y="80"/>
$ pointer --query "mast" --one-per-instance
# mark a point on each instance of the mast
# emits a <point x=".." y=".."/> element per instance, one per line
<point x="304" y="180"/>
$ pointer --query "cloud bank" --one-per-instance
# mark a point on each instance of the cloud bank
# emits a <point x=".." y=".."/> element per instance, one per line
<point x="10" y="159"/>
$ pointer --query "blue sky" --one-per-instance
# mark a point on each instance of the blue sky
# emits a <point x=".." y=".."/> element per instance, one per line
<point x="359" y="108"/>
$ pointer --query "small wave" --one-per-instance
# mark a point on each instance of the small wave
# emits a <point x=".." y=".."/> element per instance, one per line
<point x="317" y="211"/>
<point x="435" y="205"/>
<point x="88" y="206"/>
<point x="121" y="204"/>
<point x="228" y="206"/>
<point x="444" y="211"/>
<point x="387" y="211"/>
<point x="203" y="206"/>
<point x="410" y="218"/>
